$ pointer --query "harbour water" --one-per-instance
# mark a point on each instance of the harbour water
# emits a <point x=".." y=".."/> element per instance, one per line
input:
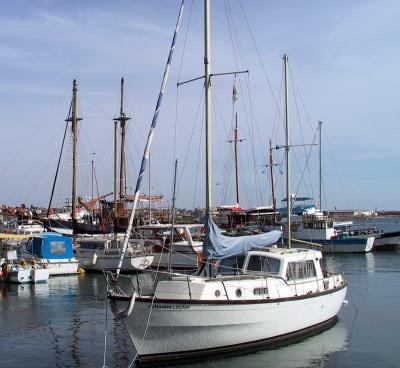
<point x="63" y="323"/>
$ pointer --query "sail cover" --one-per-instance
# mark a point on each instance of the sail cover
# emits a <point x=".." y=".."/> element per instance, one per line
<point x="218" y="246"/>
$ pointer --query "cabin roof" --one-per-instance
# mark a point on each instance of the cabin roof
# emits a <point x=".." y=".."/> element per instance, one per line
<point x="290" y="254"/>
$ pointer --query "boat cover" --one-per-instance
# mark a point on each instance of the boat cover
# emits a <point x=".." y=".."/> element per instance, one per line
<point x="52" y="246"/>
<point x="218" y="246"/>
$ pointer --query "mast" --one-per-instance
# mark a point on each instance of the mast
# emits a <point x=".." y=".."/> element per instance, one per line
<point x="207" y="72"/>
<point x="115" y="167"/>
<point x="173" y="218"/>
<point x="122" y="120"/>
<point x="92" y="189"/>
<point x="320" y="165"/>
<point x="271" y="164"/>
<point x="289" y="202"/>
<point x="236" y="160"/>
<point x="74" y="119"/>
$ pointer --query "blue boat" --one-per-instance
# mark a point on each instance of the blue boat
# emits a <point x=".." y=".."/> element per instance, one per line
<point x="52" y="250"/>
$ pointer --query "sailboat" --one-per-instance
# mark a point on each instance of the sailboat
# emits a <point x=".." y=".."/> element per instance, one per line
<point x="247" y="293"/>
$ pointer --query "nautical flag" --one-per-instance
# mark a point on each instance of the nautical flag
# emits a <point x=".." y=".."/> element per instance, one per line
<point x="235" y="95"/>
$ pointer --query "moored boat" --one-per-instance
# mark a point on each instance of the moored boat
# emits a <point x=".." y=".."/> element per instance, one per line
<point x="53" y="251"/>
<point x="21" y="271"/>
<point x="103" y="253"/>
<point x="242" y="297"/>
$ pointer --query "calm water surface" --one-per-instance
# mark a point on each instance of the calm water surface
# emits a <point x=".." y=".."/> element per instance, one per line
<point x="62" y="324"/>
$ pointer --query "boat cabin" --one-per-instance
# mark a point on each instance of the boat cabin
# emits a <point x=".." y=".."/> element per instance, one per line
<point x="288" y="264"/>
<point x="50" y="246"/>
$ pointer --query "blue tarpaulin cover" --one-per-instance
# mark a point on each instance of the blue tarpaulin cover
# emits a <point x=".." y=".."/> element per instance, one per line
<point x="52" y="246"/>
<point x="218" y="246"/>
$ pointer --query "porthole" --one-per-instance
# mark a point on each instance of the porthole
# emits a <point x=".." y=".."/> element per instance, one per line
<point x="217" y="293"/>
<point x="238" y="293"/>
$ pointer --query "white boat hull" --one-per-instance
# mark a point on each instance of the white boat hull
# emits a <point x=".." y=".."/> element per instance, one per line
<point x="61" y="266"/>
<point x="348" y="245"/>
<point x="190" y="328"/>
<point x="25" y="275"/>
<point x="389" y="241"/>
<point x="110" y="262"/>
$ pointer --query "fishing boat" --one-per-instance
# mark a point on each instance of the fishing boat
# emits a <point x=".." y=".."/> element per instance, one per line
<point x="389" y="240"/>
<point x="313" y="229"/>
<point x="244" y="295"/>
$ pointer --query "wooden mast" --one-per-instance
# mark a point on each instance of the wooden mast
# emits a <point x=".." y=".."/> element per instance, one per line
<point x="74" y="119"/>
<point x="122" y="119"/>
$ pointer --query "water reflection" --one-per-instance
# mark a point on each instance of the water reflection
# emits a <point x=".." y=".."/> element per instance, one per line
<point x="311" y="352"/>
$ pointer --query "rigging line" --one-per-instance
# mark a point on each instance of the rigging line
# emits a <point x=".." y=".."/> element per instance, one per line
<point x="33" y="169"/>
<point x="59" y="160"/>
<point x="259" y="56"/>
<point x="31" y="135"/>
<point x="231" y="24"/>
<point x="94" y="104"/>
<point x="105" y="333"/>
<point x="196" y="121"/>
<point x="146" y="153"/>
<point x="308" y="157"/>
<point x="278" y="107"/>
<point x="179" y="77"/>
<point x="301" y="131"/>
<point x="259" y="135"/>
<point x="218" y="116"/>
<point x="198" y="161"/>
<point x="246" y="193"/>
<point x="300" y="95"/>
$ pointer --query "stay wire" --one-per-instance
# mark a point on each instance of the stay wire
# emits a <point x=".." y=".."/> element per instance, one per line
<point x="105" y="334"/>
<point x="300" y="127"/>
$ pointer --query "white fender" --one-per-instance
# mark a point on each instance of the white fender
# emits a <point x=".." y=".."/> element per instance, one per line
<point x="94" y="259"/>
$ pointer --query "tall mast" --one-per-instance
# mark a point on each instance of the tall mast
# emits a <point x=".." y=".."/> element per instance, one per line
<point x="271" y="164"/>
<point x="74" y="119"/>
<point x="115" y="166"/>
<point x="173" y="218"/>
<point x="207" y="70"/>
<point x="122" y="120"/>
<point x="236" y="159"/>
<point x="320" y="165"/>
<point x="289" y="203"/>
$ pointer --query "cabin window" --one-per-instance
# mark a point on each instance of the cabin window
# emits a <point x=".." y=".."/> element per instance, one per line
<point x="57" y="247"/>
<point x="259" y="263"/>
<point x="260" y="291"/>
<point x="28" y="246"/>
<point x="300" y="270"/>
<point x="92" y="245"/>
<point x="231" y="265"/>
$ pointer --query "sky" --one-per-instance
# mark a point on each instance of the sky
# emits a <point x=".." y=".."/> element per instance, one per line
<point x="343" y="70"/>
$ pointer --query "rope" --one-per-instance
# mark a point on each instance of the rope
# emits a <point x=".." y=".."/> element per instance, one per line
<point x="105" y="335"/>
